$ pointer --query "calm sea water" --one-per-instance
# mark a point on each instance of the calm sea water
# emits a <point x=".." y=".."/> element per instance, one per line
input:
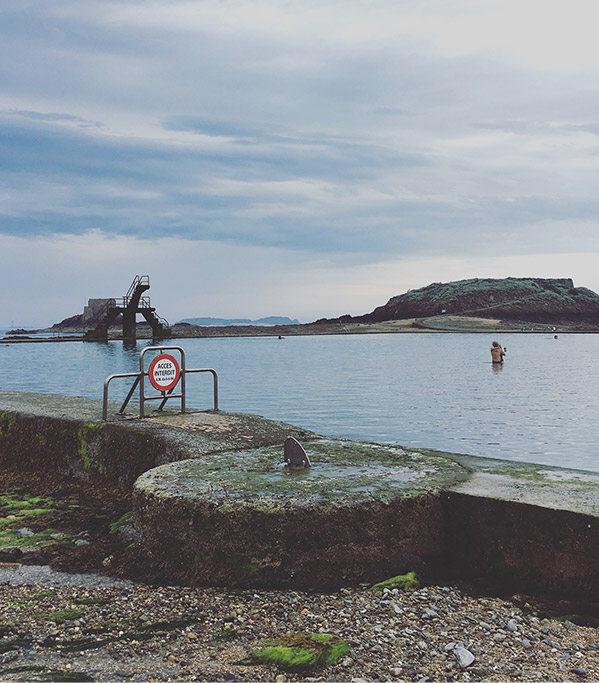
<point x="432" y="390"/>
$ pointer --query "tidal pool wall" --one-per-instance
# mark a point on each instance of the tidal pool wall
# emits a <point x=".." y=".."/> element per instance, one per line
<point x="214" y="504"/>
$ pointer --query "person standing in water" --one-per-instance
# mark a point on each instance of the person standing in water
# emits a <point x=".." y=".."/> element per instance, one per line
<point x="497" y="352"/>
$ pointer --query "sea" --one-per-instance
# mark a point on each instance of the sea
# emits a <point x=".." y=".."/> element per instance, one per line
<point x="430" y="390"/>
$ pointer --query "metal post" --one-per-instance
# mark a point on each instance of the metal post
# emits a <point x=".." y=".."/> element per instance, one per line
<point x="129" y="395"/>
<point x="142" y="392"/>
<point x="182" y="381"/>
<point x="105" y="395"/>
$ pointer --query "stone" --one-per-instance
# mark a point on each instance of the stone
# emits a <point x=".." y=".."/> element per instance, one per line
<point x="463" y="657"/>
<point x="8" y="656"/>
<point x="580" y="672"/>
<point x="10" y="553"/>
<point x="294" y="453"/>
<point x="512" y="625"/>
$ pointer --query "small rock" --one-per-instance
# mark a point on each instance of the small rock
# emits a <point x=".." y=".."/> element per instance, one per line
<point x="430" y="614"/>
<point x="463" y="657"/>
<point x="281" y="678"/>
<point x="10" y="553"/>
<point x="499" y="636"/>
<point x="81" y="542"/>
<point x="580" y="673"/>
<point x="512" y="625"/>
<point x="9" y="656"/>
<point x="24" y="531"/>
<point x="526" y="643"/>
<point x="348" y="661"/>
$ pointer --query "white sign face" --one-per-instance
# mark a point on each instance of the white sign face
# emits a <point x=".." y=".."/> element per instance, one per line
<point x="164" y="372"/>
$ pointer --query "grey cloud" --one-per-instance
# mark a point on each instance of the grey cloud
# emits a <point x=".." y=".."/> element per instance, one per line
<point x="370" y="125"/>
<point x="52" y="117"/>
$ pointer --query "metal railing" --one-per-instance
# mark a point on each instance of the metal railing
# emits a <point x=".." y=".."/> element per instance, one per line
<point x="137" y="281"/>
<point x="163" y="396"/>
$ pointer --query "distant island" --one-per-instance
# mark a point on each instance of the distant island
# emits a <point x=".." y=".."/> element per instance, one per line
<point x="474" y="305"/>
<point x="525" y="300"/>
<point x="225" y="322"/>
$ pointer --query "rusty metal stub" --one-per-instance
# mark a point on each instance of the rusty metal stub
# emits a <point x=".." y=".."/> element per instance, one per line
<point x="295" y="454"/>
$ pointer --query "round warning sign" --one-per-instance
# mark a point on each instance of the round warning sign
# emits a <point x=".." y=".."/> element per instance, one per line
<point x="164" y="372"/>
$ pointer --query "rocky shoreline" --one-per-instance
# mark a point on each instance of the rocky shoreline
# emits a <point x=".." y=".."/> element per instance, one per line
<point x="138" y="632"/>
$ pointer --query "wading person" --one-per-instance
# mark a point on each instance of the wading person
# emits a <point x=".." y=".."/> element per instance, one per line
<point x="497" y="352"/>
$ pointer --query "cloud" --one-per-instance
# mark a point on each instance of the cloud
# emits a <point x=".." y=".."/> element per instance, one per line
<point x="302" y="133"/>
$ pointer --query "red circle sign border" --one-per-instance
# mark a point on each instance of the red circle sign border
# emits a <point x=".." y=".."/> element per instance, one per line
<point x="168" y="387"/>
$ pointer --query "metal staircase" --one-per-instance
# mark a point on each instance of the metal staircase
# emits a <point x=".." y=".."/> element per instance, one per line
<point x="128" y="306"/>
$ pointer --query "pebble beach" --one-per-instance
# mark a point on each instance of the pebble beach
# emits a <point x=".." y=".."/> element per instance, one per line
<point x="135" y="632"/>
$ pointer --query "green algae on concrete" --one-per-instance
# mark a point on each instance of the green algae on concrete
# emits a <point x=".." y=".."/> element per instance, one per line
<point x="7" y="422"/>
<point x="342" y="472"/>
<point x="91" y="458"/>
<point x="301" y="652"/>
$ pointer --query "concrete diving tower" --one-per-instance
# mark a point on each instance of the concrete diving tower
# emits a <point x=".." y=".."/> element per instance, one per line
<point x="128" y="306"/>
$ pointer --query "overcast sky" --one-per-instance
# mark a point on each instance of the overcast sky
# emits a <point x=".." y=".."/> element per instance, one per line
<point x="300" y="158"/>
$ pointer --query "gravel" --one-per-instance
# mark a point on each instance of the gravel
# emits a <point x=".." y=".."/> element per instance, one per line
<point x="135" y="632"/>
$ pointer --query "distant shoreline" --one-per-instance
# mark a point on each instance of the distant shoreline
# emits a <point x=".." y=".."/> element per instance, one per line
<point x="441" y="323"/>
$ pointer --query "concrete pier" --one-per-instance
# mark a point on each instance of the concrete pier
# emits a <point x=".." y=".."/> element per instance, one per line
<point x="214" y="502"/>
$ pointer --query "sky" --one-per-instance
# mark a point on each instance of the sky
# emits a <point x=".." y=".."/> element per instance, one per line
<point x="300" y="158"/>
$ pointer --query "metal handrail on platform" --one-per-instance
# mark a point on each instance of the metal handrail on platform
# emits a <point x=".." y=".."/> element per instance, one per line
<point x="164" y="396"/>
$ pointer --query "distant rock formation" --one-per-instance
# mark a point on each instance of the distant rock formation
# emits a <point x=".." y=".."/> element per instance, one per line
<point x="74" y="322"/>
<point x="528" y="299"/>
<point x="223" y="322"/>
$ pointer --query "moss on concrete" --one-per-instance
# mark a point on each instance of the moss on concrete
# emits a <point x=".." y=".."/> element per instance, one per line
<point x="7" y="422"/>
<point x="87" y="433"/>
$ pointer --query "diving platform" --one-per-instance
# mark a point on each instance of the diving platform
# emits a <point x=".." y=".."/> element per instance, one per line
<point x="128" y="306"/>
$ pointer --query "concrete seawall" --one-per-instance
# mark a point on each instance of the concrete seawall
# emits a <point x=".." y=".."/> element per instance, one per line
<point x="214" y="503"/>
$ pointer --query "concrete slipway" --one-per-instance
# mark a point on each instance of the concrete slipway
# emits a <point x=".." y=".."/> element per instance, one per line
<point x="214" y="503"/>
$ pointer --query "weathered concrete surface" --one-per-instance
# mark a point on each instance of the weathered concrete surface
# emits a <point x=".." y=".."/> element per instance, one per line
<point x="247" y="518"/>
<point x="530" y="527"/>
<point x="65" y="436"/>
